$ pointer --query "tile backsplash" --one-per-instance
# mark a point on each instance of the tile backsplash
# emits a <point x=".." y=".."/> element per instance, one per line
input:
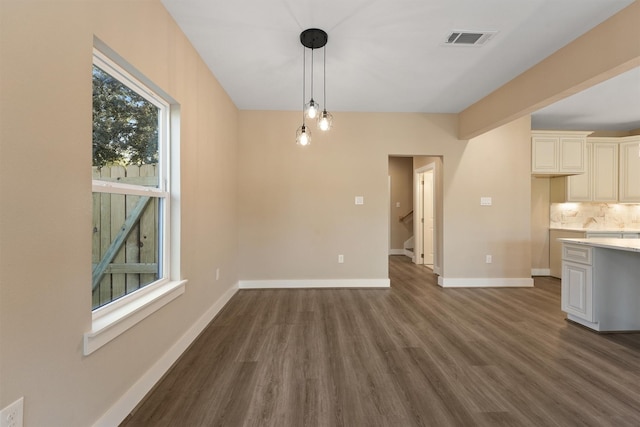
<point x="596" y="216"/>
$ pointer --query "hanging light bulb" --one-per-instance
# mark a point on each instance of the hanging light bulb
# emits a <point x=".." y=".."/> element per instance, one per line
<point x="325" y="120"/>
<point x="312" y="107"/>
<point x="303" y="136"/>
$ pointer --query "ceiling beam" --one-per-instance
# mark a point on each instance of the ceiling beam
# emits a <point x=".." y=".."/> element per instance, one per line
<point x="606" y="51"/>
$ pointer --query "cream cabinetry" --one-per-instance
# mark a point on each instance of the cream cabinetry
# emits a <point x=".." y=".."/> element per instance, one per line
<point x="557" y="153"/>
<point x="555" y="245"/>
<point x="579" y="188"/>
<point x="604" y="167"/>
<point x="555" y="249"/>
<point x="600" y="288"/>
<point x="629" y="170"/>
<point x="599" y="183"/>
<point x="577" y="281"/>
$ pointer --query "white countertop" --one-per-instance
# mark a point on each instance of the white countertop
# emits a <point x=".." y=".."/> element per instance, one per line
<point x="632" y="245"/>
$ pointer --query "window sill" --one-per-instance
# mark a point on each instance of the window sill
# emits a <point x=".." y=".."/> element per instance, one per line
<point x="109" y="322"/>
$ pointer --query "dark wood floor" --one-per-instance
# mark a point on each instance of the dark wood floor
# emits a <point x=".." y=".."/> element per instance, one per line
<point x="412" y="355"/>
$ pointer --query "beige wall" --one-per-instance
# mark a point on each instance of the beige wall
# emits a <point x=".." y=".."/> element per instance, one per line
<point x="496" y="164"/>
<point x="540" y="224"/>
<point x="401" y="181"/>
<point x="45" y="187"/>
<point x="297" y="211"/>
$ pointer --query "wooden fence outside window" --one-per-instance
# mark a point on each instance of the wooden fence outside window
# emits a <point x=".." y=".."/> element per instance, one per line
<point x="125" y="235"/>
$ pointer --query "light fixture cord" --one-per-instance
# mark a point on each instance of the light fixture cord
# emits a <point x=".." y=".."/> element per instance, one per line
<point x="311" y="73"/>
<point x="304" y="82"/>
<point x="324" y="77"/>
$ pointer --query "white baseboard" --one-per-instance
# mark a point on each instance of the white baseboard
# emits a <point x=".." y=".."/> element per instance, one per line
<point x="493" y="282"/>
<point x="119" y="411"/>
<point x="408" y="253"/>
<point x="541" y="272"/>
<point x="396" y="251"/>
<point x="323" y="283"/>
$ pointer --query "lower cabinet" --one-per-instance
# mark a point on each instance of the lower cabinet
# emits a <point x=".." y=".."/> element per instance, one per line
<point x="577" y="290"/>
<point x="555" y="249"/>
<point x="600" y="284"/>
<point x="555" y="246"/>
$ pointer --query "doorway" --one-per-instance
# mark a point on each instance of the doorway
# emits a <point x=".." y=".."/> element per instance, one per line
<point x="415" y="209"/>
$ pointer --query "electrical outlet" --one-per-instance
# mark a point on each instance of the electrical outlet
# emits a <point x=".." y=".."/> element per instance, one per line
<point x="340" y="259"/>
<point x="488" y="259"/>
<point x="11" y="416"/>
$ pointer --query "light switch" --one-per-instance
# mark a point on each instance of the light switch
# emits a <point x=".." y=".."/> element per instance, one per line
<point x="397" y="204"/>
<point x="485" y="201"/>
<point x="359" y="200"/>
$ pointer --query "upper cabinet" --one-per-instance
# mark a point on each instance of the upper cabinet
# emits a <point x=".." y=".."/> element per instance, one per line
<point x="612" y="173"/>
<point x="630" y="169"/>
<point x="604" y="167"/>
<point x="558" y="153"/>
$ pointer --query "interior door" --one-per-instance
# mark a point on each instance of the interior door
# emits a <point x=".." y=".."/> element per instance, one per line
<point x="428" y="219"/>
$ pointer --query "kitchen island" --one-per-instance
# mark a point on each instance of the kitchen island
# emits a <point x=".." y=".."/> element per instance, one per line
<point x="601" y="283"/>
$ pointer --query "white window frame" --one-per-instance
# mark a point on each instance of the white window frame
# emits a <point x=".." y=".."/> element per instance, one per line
<point x="116" y="317"/>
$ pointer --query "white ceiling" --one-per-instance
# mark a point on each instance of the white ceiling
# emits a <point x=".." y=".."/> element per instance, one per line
<point x="389" y="55"/>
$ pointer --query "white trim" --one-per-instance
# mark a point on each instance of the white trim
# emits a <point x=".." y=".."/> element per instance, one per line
<point x="127" y="403"/>
<point x="409" y="254"/>
<point x="109" y="323"/>
<point x="397" y="252"/>
<point x="314" y="283"/>
<point x="488" y="282"/>
<point x="541" y="272"/>
<point x="112" y="67"/>
<point x="98" y="186"/>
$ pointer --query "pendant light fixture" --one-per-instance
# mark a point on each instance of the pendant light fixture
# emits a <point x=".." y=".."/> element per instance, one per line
<point x="325" y="120"/>
<point x="303" y="134"/>
<point x="313" y="38"/>
<point x="312" y="107"/>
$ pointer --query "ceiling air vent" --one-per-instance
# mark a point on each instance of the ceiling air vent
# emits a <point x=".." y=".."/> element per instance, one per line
<point x="469" y="38"/>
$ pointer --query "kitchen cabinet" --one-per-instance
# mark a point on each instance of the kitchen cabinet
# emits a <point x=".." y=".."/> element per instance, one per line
<point x="600" y="288"/>
<point x="558" y="153"/>
<point x="599" y="183"/>
<point x="604" y="164"/>
<point x="555" y="249"/>
<point x="579" y="187"/>
<point x="555" y="245"/>
<point x="577" y="281"/>
<point x="629" y="174"/>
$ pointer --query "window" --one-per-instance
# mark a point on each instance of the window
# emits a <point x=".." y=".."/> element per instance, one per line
<point x="130" y="131"/>
<point x="132" y="257"/>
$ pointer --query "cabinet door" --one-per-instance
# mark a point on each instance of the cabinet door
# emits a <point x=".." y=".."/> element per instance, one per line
<point x="630" y="171"/>
<point x="605" y="172"/>
<point x="579" y="186"/>
<point x="545" y="151"/>
<point x="577" y="290"/>
<point x="572" y="158"/>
